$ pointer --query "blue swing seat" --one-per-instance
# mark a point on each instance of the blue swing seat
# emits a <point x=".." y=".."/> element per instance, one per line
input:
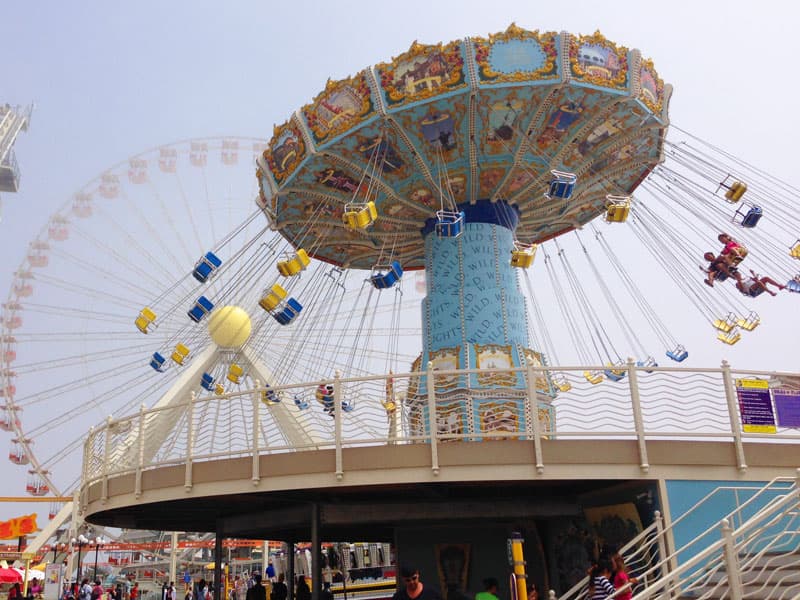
<point x="385" y="280"/>
<point x="647" y="362"/>
<point x="615" y="372"/>
<point x="793" y="285"/>
<point x="347" y="406"/>
<point x="206" y="266"/>
<point x="289" y="312"/>
<point x="449" y="223"/>
<point x="750" y="218"/>
<point x="201" y="308"/>
<point x="300" y="402"/>
<point x="679" y="354"/>
<point x="561" y="185"/>
<point x="207" y="382"/>
<point x="157" y="362"/>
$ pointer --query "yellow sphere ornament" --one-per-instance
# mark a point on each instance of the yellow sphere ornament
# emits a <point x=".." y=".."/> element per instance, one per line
<point x="229" y="327"/>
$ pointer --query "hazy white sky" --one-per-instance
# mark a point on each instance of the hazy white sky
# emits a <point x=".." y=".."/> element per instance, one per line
<point x="112" y="79"/>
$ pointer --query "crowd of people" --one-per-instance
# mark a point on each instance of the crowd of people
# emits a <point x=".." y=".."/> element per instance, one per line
<point x="607" y="576"/>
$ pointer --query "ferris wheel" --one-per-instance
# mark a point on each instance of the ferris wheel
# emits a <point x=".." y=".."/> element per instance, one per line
<point x="135" y="236"/>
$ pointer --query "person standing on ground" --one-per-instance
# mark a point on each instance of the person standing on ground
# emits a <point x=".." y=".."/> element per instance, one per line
<point x="413" y="588"/>
<point x="303" y="592"/>
<point x="257" y="592"/>
<point x="279" y="589"/>
<point x="240" y="587"/>
<point x="533" y="593"/>
<point x="489" y="590"/>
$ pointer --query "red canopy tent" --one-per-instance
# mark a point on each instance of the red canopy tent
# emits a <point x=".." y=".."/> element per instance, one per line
<point x="9" y="576"/>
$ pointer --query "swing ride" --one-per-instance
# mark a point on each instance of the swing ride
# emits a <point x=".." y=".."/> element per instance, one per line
<point x="483" y="173"/>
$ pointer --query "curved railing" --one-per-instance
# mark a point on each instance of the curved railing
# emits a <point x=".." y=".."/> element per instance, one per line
<point x="647" y="403"/>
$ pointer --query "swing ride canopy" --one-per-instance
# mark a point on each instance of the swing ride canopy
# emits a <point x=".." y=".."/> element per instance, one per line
<point x="443" y="126"/>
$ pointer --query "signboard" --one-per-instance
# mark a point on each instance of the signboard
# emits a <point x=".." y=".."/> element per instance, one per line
<point x="787" y="407"/>
<point x="52" y="582"/>
<point x="18" y="527"/>
<point x="755" y="406"/>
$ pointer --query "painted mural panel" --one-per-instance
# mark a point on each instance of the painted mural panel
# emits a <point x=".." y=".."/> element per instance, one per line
<point x="342" y="105"/>
<point x="516" y="55"/>
<point x="596" y="60"/>
<point x="652" y="87"/>
<point x="285" y="152"/>
<point x="421" y="73"/>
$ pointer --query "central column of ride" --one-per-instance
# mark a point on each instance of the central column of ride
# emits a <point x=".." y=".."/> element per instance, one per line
<point x="474" y="317"/>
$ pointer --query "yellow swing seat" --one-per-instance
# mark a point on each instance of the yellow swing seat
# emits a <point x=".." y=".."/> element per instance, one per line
<point x="146" y="318"/>
<point x="617" y="208"/>
<point x="730" y="338"/>
<point x="523" y="254"/>
<point x="593" y="377"/>
<point x="725" y="325"/>
<point x="235" y="373"/>
<point x="272" y="298"/>
<point x="735" y="191"/>
<point x="561" y="382"/>
<point x="359" y="215"/>
<point x="180" y="354"/>
<point x="794" y="251"/>
<point x="294" y="263"/>
<point x="750" y="322"/>
<point x="218" y="389"/>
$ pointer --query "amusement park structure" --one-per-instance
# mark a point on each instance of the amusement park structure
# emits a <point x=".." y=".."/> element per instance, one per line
<point x="376" y="361"/>
<point x="13" y="120"/>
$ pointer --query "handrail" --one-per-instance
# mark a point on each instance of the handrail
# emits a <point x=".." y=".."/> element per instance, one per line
<point x="637" y="413"/>
<point x="660" y="566"/>
<point x="789" y="501"/>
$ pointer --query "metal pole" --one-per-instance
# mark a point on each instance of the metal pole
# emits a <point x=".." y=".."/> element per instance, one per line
<point x="337" y="423"/>
<point x="638" y="420"/>
<point x="140" y="454"/>
<point x="187" y="479"/>
<point x="290" y="569"/>
<point x="316" y="558"/>
<point x="731" y="561"/>
<point x="432" y="419"/>
<point x="218" y="588"/>
<point x="78" y="574"/>
<point x="106" y="459"/>
<point x="173" y="555"/>
<point x="533" y="409"/>
<point x="733" y="414"/>
<point x="256" y="473"/>
<point x="96" y="552"/>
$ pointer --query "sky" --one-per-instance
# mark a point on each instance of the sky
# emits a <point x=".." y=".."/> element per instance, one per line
<point x="110" y="80"/>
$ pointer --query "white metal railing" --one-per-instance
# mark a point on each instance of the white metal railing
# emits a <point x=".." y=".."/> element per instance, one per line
<point x="759" y="558"/>
<point x="658" y="403"/>
<point x="646" y="554"/>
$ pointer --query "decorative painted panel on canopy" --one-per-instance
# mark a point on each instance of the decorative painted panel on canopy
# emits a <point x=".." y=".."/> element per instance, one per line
<point x="343" y="104"/>
<point x="286" y="150"/>
<point x="651" y="87"/>
<point x="599" y="61"/>
<point x="516" y="55"/>
<point x="421" y="73"/>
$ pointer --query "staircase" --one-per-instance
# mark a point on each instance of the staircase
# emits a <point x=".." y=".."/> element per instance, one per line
<point x="758" y="560"/>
